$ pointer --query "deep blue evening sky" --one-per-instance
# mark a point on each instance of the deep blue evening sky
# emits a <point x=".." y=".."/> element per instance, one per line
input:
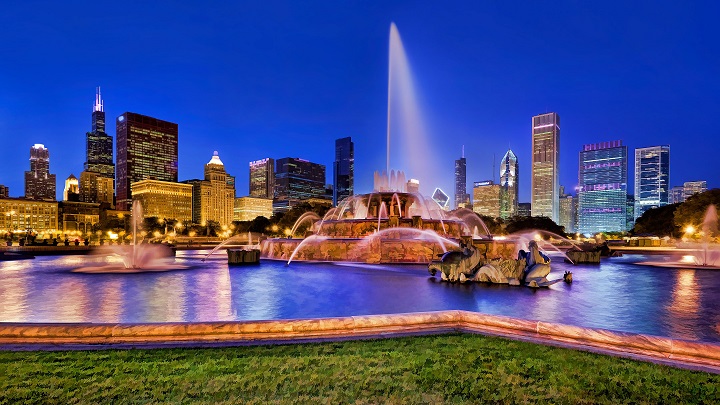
<point x="276" y="79"/>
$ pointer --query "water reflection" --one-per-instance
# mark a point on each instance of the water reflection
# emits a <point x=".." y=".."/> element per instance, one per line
<point x="616" y="295"/>
<point x="685" y="303"/>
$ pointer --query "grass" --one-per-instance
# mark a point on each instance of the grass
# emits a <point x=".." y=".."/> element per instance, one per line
<point x="456" y="368"/>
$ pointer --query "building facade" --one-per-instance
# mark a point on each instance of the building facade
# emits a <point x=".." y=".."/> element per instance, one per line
<point x="164" y="199"/>
<point x="509" y="185"/>
<point x="249" y="208"/>
<point x="75" y="216"/>
<point x="524" y="209"/>
<point x="691" y="188"/>
<point x="213" y="199"/>
<point x="602" y="178"/>
<point x="4" y="191"/>
<point x="652" y="177"/>
<point x="676" y="195"/>
<point x="22" y="214"/>
<point x="296" y="180"/>
<point x="461" y="194"/>
<point x="343" y="170"/>
<point x="147" y="149"/>
<point x="545" y="192"/>
<point x="568" y="213"/>
<point x="39" y="183"/>
<point x="262" y="178"/>
<point x="486" y="198"/>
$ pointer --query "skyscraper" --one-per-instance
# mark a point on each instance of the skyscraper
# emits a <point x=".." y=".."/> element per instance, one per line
<point x="98" y="144"/>
<point x="147" y="148"/>
<point x="486" y="198"/>
<point x="296" y="180"/>
<point x="461" y="195"/>
<point x="568" y="213"/>
<point x="652" y="178"/>
<point x="213" y="199"/>
<point x="39" y="183"/>
<point x="343" y="169"/>
<point x="72" y="190"/>
<point x="545" y="192"/>
<point x="602" y="177"/>
<point x="4" y="191"/>
<point x="509" y="188"/>
<point x="262" y="178"/>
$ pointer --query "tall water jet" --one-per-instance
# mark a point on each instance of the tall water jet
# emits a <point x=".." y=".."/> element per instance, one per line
<point x="407" y="141"/>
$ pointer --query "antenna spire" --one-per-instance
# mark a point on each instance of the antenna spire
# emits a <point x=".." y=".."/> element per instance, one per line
<point x="463" y="152"/>
<point x="98" y="106"/>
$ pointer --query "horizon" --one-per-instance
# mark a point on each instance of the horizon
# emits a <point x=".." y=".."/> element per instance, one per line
<point x="294" y="74"/>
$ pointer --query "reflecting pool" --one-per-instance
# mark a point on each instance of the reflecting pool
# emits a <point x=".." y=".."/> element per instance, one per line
<point x="617" y="295"/>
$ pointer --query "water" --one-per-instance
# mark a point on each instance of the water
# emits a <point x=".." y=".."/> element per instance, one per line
<point x="616" y="295"/>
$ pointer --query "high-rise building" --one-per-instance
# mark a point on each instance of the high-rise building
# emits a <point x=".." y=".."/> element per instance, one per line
<point x="97" y="181"/>
<point x="4" y="191"/>
<point x="691" y="188"/>
<point x="652" y="178"/>
<point x="296" y="180"/>
<point x="164" y="199"/>
<point x="98" y="144"/>
<point x="343" y="170"/>
<point x="441" y="198"/>
<point x="676" y="195"/>
<point x="602" y="177"/>
<point x="568" y="213"/>
<point x="509" y="176"/>
<point x="486" y="198"/>
<point x="249" y="208"/>
<point x="39" y="183"/>
<point x="545" y="192"/>
<point x="213" y="199"/>
<point x="147" y="148"/>
<point x="71" y="191"/>
<point x="262" y="178"/>
<point x="630" y="219"/>
<point x="461" y="194"/>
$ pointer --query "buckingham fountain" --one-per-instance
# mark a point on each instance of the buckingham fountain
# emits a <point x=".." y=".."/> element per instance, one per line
<point x="395" y="225"/>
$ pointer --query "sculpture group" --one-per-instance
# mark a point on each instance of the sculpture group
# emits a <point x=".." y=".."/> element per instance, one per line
<point x="530" y="268"/>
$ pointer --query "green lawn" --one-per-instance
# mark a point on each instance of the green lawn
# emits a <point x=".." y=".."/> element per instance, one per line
<point x="431" y="369"/>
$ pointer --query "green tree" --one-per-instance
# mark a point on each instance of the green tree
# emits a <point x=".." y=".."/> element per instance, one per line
<point x="518" y="224"/>
<point x="692" y="212"/>
<point x="259" y="224"/>
<point x="658" y="222"/>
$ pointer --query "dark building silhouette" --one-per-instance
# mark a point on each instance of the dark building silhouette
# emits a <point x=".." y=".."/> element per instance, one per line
<point x="296" y="180"/>
<point x="4" y="191"/>
<point x="461" y="194"/>
<point x="39" y="183"/>
<point x="343" y="170"/>
<point x="147" y="149"/>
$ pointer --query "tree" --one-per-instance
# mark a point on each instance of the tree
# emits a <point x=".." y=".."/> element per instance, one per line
<point x="259" y="225"/>
<point x="517" y="224"/>
<point x="692" y="212"/>
<point x="658" y="222"/>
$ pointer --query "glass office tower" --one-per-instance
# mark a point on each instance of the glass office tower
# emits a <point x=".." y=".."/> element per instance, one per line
<point x="652" y="178"/>
<point x="602" y="197"/>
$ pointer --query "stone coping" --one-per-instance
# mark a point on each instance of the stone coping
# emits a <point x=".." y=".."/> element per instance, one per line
<point x="682" y="353"/>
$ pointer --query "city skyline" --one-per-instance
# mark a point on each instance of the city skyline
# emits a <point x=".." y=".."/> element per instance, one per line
<point x="280" y="109"/>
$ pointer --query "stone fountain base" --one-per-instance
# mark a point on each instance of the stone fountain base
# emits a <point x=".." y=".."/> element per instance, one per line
<point x="377" y="251"/>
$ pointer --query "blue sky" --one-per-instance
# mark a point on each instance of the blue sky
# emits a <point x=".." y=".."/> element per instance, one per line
<point x="277" y="79"/>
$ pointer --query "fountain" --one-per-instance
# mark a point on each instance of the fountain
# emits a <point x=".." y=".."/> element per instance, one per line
<point x="138" y="257"/>
<point x="700" y="255"/>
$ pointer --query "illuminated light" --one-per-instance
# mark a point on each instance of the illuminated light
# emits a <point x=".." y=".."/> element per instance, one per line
<point x="690" y="259"/>
<point x="689" y="229"/>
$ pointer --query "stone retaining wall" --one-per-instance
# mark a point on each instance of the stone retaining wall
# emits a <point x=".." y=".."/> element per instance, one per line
<point x="676" y="351"/>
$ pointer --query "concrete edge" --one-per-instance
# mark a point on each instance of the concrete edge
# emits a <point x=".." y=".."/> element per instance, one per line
<point x="674" y="352"/>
